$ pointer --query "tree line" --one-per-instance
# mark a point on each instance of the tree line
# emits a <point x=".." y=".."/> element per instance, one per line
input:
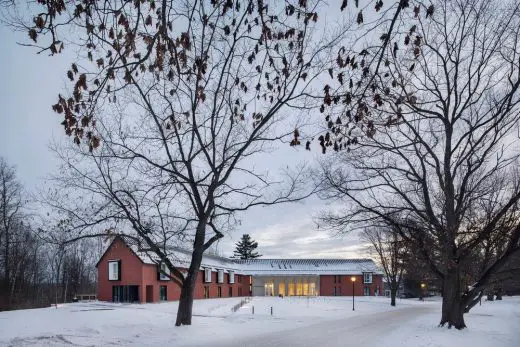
<point x="35" y="271"/>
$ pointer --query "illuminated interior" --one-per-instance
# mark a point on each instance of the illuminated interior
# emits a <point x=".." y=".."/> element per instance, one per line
<point x="290" y="285"/>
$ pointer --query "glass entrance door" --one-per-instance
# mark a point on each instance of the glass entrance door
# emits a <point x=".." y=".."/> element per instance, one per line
<point x="269" y="289"/>
<point x="163" y="294"/>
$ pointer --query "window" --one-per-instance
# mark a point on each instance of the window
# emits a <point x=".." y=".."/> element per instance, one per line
<point x="291" y="289"/>
<point x="230" y="292"/>
<point x="231" y="277"/>
<point x="206" y="292"/>
<point x="239" y="278"/>
<point x="219" y="292"/>
<point x="312" y="288"/>
<point x="164" y="273"/>
<point x="367" y="277"/>
<point x="125" y="293"/>
<point x="334" y="293"/>
<point x="269" y="289"/>
<point x="337" y="279"/>
<point x="366" y="291"/>
<point x="114" y="270"/>
<point x="299" y="288"/>
<point x="163" y="293"/>
<point x="220" y="277"/>
<point x="281" y="288"/>
<point x="207" y="275"/>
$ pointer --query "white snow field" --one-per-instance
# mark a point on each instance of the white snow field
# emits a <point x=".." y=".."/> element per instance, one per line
<point x="317" y="322"/>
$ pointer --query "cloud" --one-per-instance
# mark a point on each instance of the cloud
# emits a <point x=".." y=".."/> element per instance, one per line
<point x="296" y="236"/>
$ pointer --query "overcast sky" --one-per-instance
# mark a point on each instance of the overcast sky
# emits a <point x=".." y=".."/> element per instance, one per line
<point x="29" y="85"/>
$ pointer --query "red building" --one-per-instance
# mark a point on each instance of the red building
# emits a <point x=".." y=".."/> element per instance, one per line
<point x="126" y="273"/>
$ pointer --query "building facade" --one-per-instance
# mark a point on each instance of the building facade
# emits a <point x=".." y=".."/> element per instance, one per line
<point x="126" y="273"/>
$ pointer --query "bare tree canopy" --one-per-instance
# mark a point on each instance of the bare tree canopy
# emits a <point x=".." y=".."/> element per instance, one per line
<point x="389" y="249"/>
<point x="171" y="101"/>
<point x="10" y="220"/>
<point x="26" y="265"/>
<point x="432" y="149"/>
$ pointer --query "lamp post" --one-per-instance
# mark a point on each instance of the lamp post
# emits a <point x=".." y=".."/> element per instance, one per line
<point x="353" y="279"/>
<point x="422" y="290"/>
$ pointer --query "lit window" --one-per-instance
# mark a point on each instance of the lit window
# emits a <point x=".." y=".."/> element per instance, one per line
<point x="299" y="288"/>
<point x="220" y="276"/>
<point x="367" y="277"/>
<point x="281" y="288"/>
<point x="207" y="275"/>
<point x="291" y="289"/>
<point x="269" y="289"/>
<point x="231" y="277"/>
<point x="312" y="288"/>
<point x="114" y="270"/>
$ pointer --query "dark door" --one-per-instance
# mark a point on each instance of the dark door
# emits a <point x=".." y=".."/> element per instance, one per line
<point x="125" y="293"/>
<point x="149" y="293"/>
<point x="163" y="293"/>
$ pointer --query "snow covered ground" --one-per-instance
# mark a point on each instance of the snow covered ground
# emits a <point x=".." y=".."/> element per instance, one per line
<point x="321" y="321"/>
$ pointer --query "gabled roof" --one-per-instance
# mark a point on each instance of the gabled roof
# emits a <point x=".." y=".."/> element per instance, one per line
<point x="178" y="256"/>
<point x="181" y="257"/>
<point x="126" y="241"/>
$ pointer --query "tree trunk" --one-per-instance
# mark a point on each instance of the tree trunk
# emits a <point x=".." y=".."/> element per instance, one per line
<point x="394" y="285"/>
<point x="184" y="312"/>
<point x="188" y="287"/>
<point x="452" y="306"/>
<point x="393" y="294"/>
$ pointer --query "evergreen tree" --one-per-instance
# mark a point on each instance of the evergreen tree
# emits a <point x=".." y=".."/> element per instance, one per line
<point x="245" y="248"/>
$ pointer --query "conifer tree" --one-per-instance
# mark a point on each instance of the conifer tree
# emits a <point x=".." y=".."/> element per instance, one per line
<point x="245" y="248"/>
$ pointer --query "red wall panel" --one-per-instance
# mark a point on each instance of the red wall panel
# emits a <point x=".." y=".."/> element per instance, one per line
<point x="131" y="270"/>
<point x="344" y="285"/>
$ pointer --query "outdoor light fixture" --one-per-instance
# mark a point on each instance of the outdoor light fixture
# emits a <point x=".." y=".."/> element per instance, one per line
<point x="353" y="279"/>
<point x="422" y="291"/>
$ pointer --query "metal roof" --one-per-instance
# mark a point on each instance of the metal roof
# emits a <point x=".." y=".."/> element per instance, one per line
<point x="307" y="266"/>
<point x="275" y="267"/>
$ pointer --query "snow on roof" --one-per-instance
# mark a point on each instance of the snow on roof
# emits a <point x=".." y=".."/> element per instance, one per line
<point x="307" y="266"/>
<point x="181" y="257"/>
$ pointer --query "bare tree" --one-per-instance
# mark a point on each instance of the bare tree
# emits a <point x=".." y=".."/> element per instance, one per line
<point x="173" y="101"/>
<point x="169" y="108"/>
<point x="10" y="217"/>
<point x="390" y="250"/>
<point x="433" y="148"/>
